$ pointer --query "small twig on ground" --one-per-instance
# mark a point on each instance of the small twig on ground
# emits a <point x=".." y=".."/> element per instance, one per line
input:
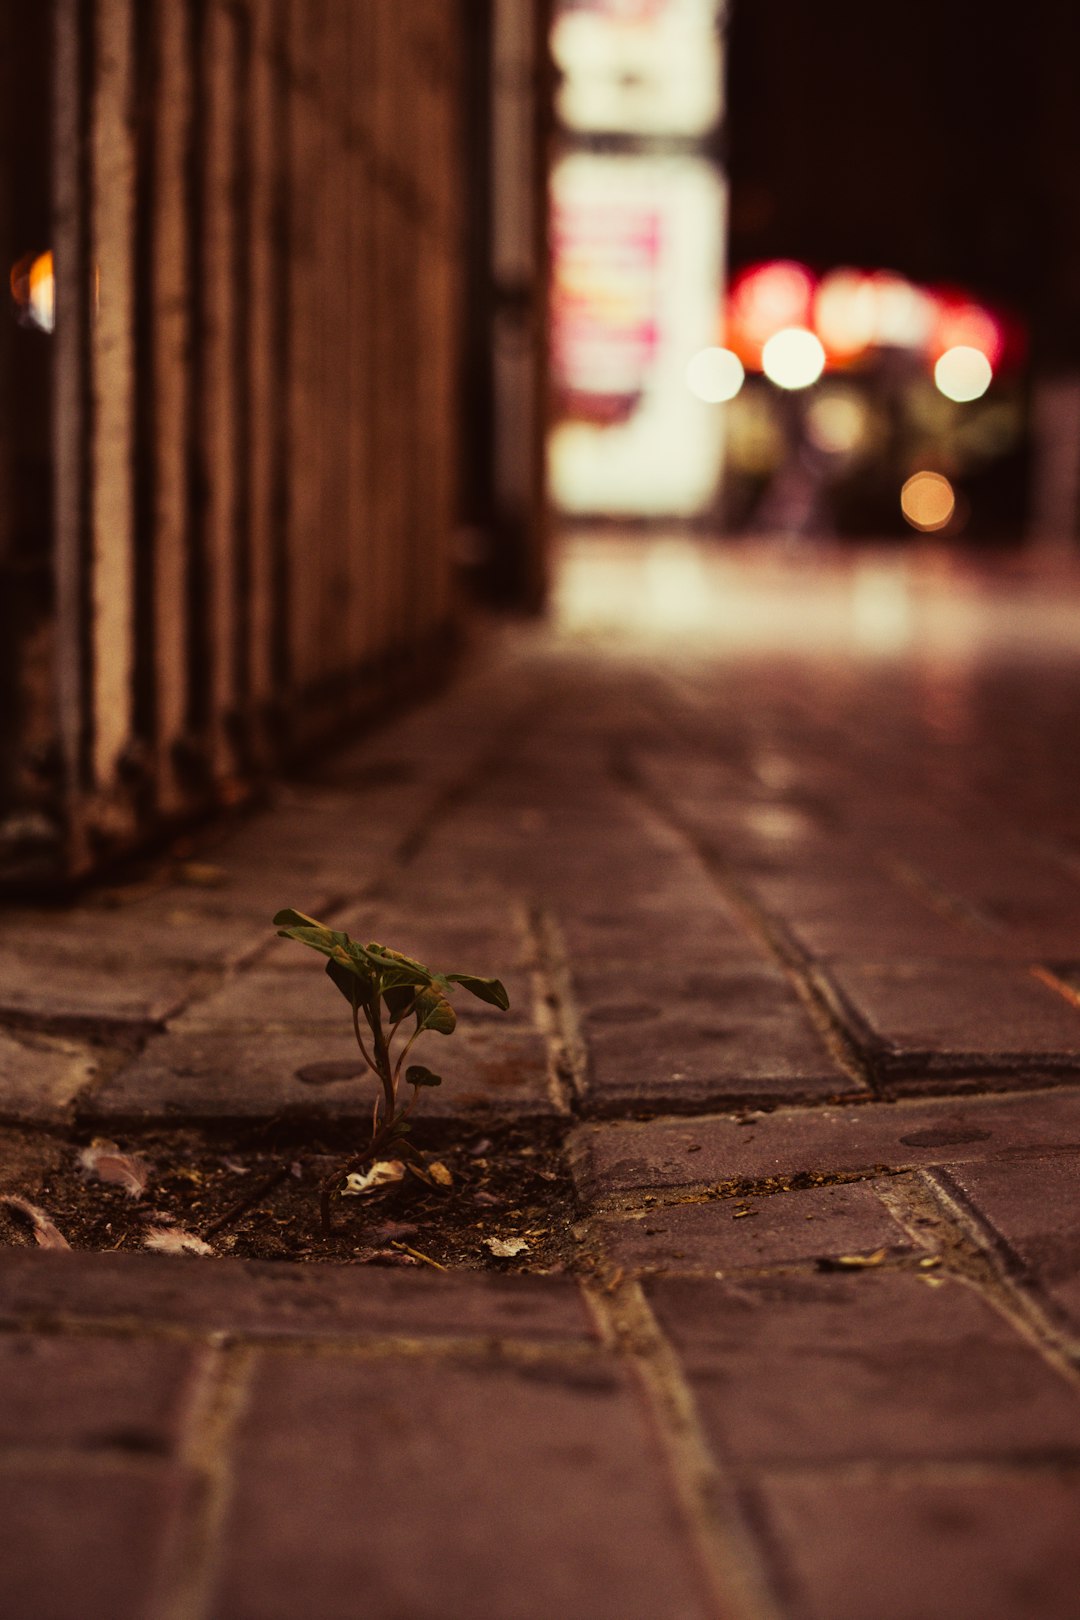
<point x="242" y="1205"/>
<point x="417" y="1255"/>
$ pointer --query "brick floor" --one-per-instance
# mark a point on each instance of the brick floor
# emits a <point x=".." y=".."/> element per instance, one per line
<point x="1030" y="1205"/>
<point x="878" y="1367"/>
<point x="615" y="1159"/>
<point x="769" y="919"/>
<point x="424" y="1485"/>
<point x="749" y="1233"/>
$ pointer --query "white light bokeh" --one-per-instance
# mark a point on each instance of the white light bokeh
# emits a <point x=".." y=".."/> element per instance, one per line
<point x="793" y="358"/>
<point x="715" y="375"/>
<point x="963" y="373"/>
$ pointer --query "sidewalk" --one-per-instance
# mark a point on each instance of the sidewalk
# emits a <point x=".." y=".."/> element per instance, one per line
<point x="783" y="879"/>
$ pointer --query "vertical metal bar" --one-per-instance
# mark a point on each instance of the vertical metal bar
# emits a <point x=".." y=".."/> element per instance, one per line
<point x="241" y="730"/>
<point x="443" y="203"/>
<point x="355" y="318"/>
<point x="303" y="445"/>
<point x="331" y="348"/>
<point x="70" y="401"/>
<point x="451" y="195"/>
<point x="191" y="750"/>
<point x="378" y="415"/>
<point x="170" y="337"/>
<point x="282" y="348"/>
<point x="397" y="357"/>
<point x="219" y="411"/>
<point x="112" y="355"/>
<point x="381" y="359"/>
<point x="266" y="363"/>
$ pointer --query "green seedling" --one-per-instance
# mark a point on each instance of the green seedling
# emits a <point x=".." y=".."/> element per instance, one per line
<point x="398" y="999"/>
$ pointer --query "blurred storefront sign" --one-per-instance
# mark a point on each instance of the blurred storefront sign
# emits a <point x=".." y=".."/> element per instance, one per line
<point x="638" y="254"/>
<point x="638" y="217"/>
<point x="638" y="67"/>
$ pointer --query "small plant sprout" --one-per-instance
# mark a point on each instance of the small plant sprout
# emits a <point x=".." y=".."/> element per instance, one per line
<point x="394" y="999"/>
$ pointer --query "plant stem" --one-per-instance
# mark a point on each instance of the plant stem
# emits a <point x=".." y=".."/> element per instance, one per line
<point x="382" y="1060"/>
<point x="403" y="1054"/>
<point x="345" y="1168"/>
<point x="360" y="1038"/>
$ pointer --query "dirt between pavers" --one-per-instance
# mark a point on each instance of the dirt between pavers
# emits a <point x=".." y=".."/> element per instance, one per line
<point x="253" y="1192"/>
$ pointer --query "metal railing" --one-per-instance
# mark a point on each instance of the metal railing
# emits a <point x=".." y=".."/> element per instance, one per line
<point x="256" y="233"/>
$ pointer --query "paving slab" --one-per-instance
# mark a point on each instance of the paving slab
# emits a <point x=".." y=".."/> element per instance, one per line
<point x="881" y="1366"/>
<point x="547" y="1480"/>
<point x="785" y="1228"/>
<point x="87" y="1538"/>
<point x="695" y="931"/>
<point x="1002" y="1545"/>
<point x="42" y="1075"/>
<point x="316" y="1071"/>
<point x="869" y="916"/>
<point x="260" y="1299"/>
<point x="681" y="1039"/>
<point x="1031" y="1201"/>
<point x="946" y="1017"/>
<point x="1028" y="894"/>
<point x="107" y="1393"/>
<point x="86" y="990"/>
<point x="614" y="1159"/>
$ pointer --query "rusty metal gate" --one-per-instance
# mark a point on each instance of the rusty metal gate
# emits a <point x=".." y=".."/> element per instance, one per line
<point x="248" y="311"/>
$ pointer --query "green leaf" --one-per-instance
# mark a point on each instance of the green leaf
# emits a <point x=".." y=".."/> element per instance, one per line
<point x="489" y="990"/>
<point x="397" y="957"/>
<point x="417" y="1075"/>
<point x="309" y="932"/>
<point x="433" y="1011"/>
<point x="395" y="969"/>
<point x="350" y="981"/>
<point x="362" y="959"/>
<point x="294" y="919"/>
<point x="400" y="1001"/>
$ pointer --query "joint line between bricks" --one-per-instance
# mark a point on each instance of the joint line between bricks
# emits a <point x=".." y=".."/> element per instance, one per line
<point x="509" y="1347"/>
<point x="729" y="1555"/>
<point x="767" y="931"/>
<point x="555" y="1009"/>
<point x="218" y="1404"/>
<point x="928" y="1206"/>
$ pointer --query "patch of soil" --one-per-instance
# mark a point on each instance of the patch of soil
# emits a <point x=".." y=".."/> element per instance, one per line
<point x="254" y="1193"/>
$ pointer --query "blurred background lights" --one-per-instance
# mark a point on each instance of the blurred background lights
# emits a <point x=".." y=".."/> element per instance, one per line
<point x="845" y="313"/>
<point x="715" y="375"/>
<point x="963" y="373"/>
<point x="33" y="289"/>
<point x="793" y="358"/>
<point x="764" y="300"/>
<point x="836" y="423"/>
<point x="904" y="314"/>
<point x="928" y="501"/>
<point x="966" y="324"/>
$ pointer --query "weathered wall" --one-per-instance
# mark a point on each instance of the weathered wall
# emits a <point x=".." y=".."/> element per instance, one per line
<point x="254" y="378"/>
